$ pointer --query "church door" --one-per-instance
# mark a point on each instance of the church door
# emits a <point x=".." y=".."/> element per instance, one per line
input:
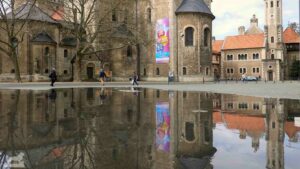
<point x="90" y="72"/>
<point x="270" y="75"/>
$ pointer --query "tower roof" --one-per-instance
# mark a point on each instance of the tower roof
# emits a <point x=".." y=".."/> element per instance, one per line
<point x="194" y="6"/>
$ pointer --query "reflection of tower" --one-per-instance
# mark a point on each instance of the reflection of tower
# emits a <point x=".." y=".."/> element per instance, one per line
<point x="275" y="134"/>
<point x="194" y="128"/>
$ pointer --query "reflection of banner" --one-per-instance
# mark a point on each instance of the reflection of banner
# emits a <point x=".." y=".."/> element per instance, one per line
<point x="162" y="41"/>
<point x="163" y="127"/>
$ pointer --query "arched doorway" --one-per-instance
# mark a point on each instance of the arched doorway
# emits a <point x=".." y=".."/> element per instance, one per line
<point x="90" y="71"/>
<point x="270" y="75"/>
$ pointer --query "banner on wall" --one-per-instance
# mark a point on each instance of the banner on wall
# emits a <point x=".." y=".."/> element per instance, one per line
<point x="162" y="53"/>
<point x="163" y="127"/>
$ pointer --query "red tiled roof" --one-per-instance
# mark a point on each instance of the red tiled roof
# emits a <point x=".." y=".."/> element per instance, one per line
<point x="290" y="36"/>
<point x="58" y="14"/>
<point x="242" y="122"/>
<point x="217" y="117"/>
<point x="244" y="41"/>
<point x="217" y="46"/>
<point x="290" y="129"/>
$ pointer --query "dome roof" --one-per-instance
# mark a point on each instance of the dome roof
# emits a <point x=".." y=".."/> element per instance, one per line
<point x="194" y="6"/>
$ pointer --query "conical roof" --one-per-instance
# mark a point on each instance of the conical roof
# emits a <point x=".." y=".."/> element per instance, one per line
<point x="194" y="6"/>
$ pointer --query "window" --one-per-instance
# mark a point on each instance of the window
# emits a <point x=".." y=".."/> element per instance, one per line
<point x="273" y="125"/>
<point x="65" y="72"/>
<point x="206" y="37"/>
<point x="229" y="57"/>
<point x="189" y="36"/>
<point x="149" y="15"/>
<point x="242" y="57"/>
<point x="157" y="71"/>
<point x="253" y="70"/>
<point x="12" y="71"/>
<point x="207" y="71"/>
<point x="257" y="70"/>
<point x="129" y="51"/>
<point x="65" y="53"/>
<point x="243" y="106"/>
<point x="114" y="16"/>
<point x="157" y="93"/>
<point x="255" y="106"/>
<point x="230" y="70"/>
<point x="272" y="56"/>
<point x="255" y="56"/>
<point x="184" y="94"/>
<point x="272" y="4"/>
<point x="230" y="105"/>
<point x="46" y="52"/>
<point x="46" y="70"/>
<point x="145" y="72"/>
<point x="272" y="39"/>
<point x="184" y="70"/>
<point x="243" y="70"/>
<point x="277" y="3"/>
<point x="189" y="131"/>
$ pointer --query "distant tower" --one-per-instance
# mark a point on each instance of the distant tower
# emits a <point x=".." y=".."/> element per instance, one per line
<point x="275" y="133"/>
<point x="274" y="40"/>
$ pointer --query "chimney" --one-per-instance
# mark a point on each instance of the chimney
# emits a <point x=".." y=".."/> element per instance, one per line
<point x="242" y="30"/>
<point x="254" y="21"/>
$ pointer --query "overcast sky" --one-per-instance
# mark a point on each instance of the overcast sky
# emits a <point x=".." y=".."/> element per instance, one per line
<point x="230" y="14"/>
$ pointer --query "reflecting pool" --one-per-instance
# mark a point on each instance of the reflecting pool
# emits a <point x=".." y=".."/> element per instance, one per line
<point x="127" y="128"/>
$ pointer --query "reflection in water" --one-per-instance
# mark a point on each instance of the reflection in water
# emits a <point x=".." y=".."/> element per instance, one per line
<point x="120" y="129"/>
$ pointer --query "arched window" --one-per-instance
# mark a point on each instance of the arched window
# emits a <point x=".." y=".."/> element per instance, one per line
<point x="189" y="131"/>
<point x="65" y="53"/>
<point x="129" y="51"/>
<point x="272" y="39"/>
<point x="46" y="52"/>
<point x="184" y="70"/>
<point x="149" y="15"/>
<point x="206" y="37"/>
<point x="157" y="71"/>
<point x="272" y="56"/>
<point x="114" y="15"/>
<point x="189" y="36"/>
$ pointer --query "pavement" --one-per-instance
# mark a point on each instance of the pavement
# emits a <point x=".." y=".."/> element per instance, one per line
<point x="286" y="89"/>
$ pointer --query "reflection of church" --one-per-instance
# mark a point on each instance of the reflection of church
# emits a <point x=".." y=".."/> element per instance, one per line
<point x="257" y="118"/>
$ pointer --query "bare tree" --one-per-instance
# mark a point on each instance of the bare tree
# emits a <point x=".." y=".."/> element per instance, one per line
<point x="12" y="22"/>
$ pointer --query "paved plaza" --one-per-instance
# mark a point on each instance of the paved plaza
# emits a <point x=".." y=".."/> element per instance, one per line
<point x="286" y="89"/>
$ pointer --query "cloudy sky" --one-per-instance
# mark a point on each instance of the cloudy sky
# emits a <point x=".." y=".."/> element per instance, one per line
<point x="230" y="14"/>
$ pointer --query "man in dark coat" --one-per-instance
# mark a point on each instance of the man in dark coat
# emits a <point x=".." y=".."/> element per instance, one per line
<point x="53" y="76"/>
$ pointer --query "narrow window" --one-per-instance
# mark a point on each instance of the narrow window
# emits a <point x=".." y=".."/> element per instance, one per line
<point x="231" y="70"/>
<point x="46" y="51"/>
<point x="12" y="71"/>
<point x="114" y="16"/>
<point x="65" y="72"/>
<point x="253" y="70"/>
<point x="145" y="72"/>
<point x="157" y="93"/>
<point x="149" y="15"/>
<point x="272" y="39"/>
<point x="206" y="37"/>
<point x="272" y="4"/>
<point x="184" y="70"/>
<point x="157" y="71"/>
<point x="241" y="70"/>
<point x="206" y="72"/>
<point x="228" y="71"/>
<point x="129" y="51"/>
<point x="257" y="70"/>
<point x="189" y="131"/>
<point x="272" y="56"/>
<point x="277" y="3"/>
<point x="65" y="53"/>
<point x="273" y="125"/>
<point x="189" y="36"/>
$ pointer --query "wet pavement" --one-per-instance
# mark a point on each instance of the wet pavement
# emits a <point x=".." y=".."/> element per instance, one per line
<point x="138" y="128"/>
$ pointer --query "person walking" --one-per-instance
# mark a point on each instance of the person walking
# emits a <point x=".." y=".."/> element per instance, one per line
<point x="135" y="78"/>
<point x="102" y="76"/>
<point x="53" y="76"/>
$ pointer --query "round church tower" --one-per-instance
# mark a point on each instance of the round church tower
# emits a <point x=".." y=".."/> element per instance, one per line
<point x="194" y="26"/>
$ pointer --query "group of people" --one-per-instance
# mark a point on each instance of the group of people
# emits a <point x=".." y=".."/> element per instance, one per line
<point x="132" y="79"/>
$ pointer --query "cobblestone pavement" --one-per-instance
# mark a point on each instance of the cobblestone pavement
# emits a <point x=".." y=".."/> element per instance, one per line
<point x="286" y="89"/>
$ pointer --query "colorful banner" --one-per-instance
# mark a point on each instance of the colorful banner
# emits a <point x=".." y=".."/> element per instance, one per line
<point x="163" y="127"/>
<point x="162" y="54"/>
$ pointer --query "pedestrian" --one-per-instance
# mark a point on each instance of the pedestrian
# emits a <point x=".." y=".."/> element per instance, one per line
<point x="53" y="76"/>
<point x="243" y="77"/>
<point x="135" y="79"/>
<point x="170" y="76"/>
<point x="102" y="75"/>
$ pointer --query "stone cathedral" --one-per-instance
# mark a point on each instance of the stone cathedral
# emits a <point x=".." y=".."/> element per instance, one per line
<point x="149" y="37"/>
